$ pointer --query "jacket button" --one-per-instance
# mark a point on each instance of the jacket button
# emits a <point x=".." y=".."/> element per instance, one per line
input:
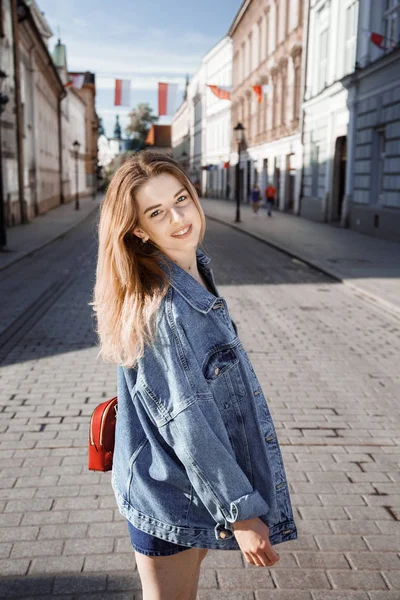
<point x="216" y="370"/>
<point x="223" y="534"/>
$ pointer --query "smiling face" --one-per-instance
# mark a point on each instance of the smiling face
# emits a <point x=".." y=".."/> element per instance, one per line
<point x="168" y="215"/>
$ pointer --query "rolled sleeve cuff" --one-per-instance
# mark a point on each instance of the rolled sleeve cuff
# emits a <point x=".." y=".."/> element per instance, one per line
<point x="247" y="507"/>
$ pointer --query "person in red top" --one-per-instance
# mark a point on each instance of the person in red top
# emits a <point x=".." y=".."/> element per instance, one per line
<point x="270" y="195"/>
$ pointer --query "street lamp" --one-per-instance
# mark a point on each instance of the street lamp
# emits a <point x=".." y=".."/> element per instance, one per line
<point x="76" y="145"/>
<point x="239" y="137"/>
<point x="3" y="102"/>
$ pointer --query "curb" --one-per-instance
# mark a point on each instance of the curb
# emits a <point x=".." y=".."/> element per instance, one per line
<point x="385" y="304"/>
<point x="47" y="242"/>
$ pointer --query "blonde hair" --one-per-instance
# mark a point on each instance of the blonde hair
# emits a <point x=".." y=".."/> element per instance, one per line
<point x="130" y="283"/>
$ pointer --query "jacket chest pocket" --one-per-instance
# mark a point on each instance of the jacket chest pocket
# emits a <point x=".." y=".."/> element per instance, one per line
<point x="222" y="372"/>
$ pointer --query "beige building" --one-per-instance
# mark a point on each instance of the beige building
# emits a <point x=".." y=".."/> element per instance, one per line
<point x="88" y="94"/>
<point x="267" y="51"/>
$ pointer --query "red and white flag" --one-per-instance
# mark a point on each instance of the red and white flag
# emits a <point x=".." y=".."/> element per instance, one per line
<point x="223" y="93"/>
<point x="167" y="98"/>
<point x="122" y="92"/>
<point x="76" y="80"/>
<point x="261" y="90"/>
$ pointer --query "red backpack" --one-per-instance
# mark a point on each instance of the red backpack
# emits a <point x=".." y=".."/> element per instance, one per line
<point x="102" y="435"/>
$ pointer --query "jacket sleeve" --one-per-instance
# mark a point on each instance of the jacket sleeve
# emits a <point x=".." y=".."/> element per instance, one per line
<point x="189" y="420"/>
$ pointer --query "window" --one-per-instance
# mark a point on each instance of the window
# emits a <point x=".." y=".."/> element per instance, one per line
<point x="277" y="16"/>
<point x="322" y="59"/>
<point x="392" y="22"/>
<point x="350" y="37"/>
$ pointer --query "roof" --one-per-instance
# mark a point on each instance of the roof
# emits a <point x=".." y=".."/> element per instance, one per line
<point x="159" y="135"/>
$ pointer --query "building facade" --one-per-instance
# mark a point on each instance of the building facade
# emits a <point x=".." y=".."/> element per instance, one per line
<point x="73" y="129"/>
<point x="373" y="184"/>
<point x="267" y="38"/>
<point x="217" y="121"/>
<point x="201" y="127"/>
<point x="330" y="42"/>
<point x="8" y="118"/>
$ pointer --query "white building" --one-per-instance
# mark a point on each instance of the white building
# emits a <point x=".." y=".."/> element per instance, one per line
<point x="330" y="42"/>
<point x="373" y="179"/>
<point x="217" y="120"/>
<point x="73" y="109"/>
<point x="201" y="127"/>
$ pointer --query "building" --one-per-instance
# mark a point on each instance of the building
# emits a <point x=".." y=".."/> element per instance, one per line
<point x="8" y="121"/>
<point x="267" y="41"/>
<point x="88" y="94"/>
<point x="159" y="138"/>
<point x="330" y="42"/>
<point x="201" y="127"/>
<point x="373" y="178"/>
<point x="38" y="105"/>
<point x="73" y="129"/>
<point x="180" y="132"/>
<point x="217" y="121"/>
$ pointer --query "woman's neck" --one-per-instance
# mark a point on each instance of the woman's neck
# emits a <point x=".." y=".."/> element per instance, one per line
<point x="187" y="262"/>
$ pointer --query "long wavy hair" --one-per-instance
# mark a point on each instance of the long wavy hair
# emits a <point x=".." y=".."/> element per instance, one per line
<point x="130" y="283"/>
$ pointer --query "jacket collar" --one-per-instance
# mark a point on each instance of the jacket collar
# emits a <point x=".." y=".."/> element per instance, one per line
<point x="187" y="286"/>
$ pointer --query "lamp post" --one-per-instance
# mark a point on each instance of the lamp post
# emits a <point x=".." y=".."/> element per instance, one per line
<point x="239" y="137"/>
<point x="76" y="145"/>
<point x="3" y="102"/>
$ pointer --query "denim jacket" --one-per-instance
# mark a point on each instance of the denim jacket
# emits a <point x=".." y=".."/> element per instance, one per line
<point x="195" y="445"/>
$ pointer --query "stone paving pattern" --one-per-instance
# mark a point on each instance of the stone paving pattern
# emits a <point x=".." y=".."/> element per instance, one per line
<point x="328" y="362"/>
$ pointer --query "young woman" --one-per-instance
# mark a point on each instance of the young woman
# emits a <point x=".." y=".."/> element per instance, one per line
<point x="197" y="464"/>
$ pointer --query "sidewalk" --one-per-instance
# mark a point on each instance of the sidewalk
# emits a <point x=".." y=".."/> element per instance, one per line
<point x="369" y="265"/>
<point x="22" y="240"/>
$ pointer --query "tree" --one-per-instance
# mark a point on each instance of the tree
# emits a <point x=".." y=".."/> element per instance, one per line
<point x="142" y="118"/>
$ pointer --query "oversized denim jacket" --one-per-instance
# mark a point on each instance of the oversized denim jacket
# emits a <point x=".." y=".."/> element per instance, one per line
<point x="195" y="445"/>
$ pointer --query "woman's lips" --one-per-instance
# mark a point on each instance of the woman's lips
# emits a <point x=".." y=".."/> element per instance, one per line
<point x="185" y="235"/>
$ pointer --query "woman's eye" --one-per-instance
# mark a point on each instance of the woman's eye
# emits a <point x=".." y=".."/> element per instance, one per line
<point x="181" y="198"/>
<point x="153" y="214"/>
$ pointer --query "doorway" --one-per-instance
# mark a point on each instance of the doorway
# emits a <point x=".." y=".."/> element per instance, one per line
<point x="339" y="177"/>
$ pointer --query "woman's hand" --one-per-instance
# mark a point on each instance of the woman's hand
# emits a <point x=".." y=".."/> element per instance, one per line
<point x="252" y="535"/>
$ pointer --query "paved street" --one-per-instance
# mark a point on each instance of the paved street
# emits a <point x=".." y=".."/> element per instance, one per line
<point x="326" y="358"/>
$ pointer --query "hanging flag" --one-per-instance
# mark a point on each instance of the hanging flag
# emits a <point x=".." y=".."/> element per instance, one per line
<point x="223" y="93"/>
<point x="378" y="39"/>
<point x="167" y="98"/>
<point x="122" y="92"/>
<point x="261" y="90"/>
<point x="76" y="80"/>
<point x="258" y="92"/>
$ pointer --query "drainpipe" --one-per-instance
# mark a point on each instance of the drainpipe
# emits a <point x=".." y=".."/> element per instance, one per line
<point x="304" y="57"/>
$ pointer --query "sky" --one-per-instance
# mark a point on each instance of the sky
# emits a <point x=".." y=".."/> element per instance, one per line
<point x="146" y="42"/>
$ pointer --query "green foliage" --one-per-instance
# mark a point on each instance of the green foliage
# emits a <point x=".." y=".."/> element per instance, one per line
<point x="142" y="118"/>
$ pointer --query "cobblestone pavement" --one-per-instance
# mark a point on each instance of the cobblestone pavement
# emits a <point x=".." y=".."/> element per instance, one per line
<point x="368" y="264"/>
<point x="328" y="362"/>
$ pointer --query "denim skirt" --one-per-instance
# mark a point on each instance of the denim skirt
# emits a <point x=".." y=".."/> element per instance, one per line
<point x="150" y="545"/>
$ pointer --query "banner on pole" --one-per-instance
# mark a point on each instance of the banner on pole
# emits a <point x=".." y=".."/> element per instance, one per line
<point x="122" y="92"/>
<point x="167" y="99"/>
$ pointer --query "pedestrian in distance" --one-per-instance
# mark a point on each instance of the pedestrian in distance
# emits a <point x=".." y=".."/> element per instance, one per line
<point x="255" y="197"/>
<point x="196" y="464"/>
<point x="270" y="196"/>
